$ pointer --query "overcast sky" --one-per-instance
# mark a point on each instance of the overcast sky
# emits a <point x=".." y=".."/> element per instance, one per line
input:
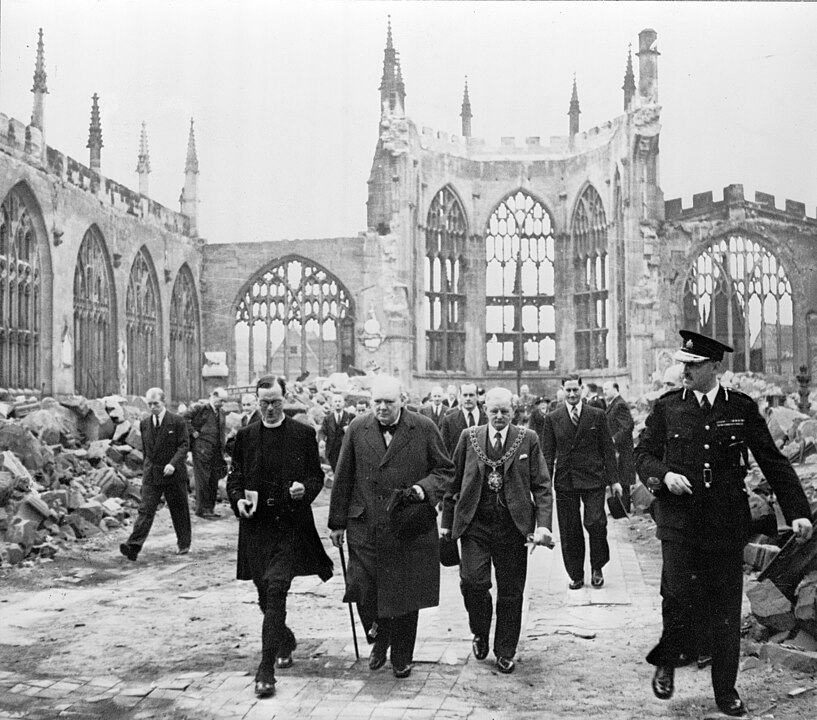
<point x="286" y="104"/>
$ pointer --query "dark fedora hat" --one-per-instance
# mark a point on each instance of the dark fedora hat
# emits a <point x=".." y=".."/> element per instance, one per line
<point x="449" y="551"/>
<point x="409" y="518"/>
<point x="616" y="507"/>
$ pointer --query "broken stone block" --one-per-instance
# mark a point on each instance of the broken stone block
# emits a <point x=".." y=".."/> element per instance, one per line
<point x="18" y="471"/>
<point x="67" y="533"/>
<point x="55" y="499"/>
<point x="24" y="533"/>
<point x="97" y="450"/>
<point x="112" y="507"/>
<point x="121" y="432"/>
<point x="110" y="483"/>
<point x="114" y="454"/>
<point x="134" y="438"/>
<point x="782" y="656"/>
<point x="770" y="606"/>
<point x="803" y="641"/>
<point x="25" y="406"/>
<point x="110" y="523"/>
<point x="97" y="424"/>
<point x="32" y="453"/>
<point x="45" y="550"/>
<point x="5" y="410"/>
<point x="135" y="459"/>
<point x="44" y="425"/>
<point x="4" y="520"/>
<point x="91" y="511"/>
<point x="759" y="556"/>
<point x="805" y="609"/>
<point x="7" y="485"/>
<point x="11" y="554"/>
<point x="75" y="497"/>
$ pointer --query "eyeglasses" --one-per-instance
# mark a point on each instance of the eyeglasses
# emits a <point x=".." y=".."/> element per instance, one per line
<point x="267" y="403"/>
<point x="151" y="403"/>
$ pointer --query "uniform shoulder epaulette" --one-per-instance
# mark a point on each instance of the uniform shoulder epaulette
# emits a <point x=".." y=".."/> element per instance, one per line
<point x="739" y="393"/>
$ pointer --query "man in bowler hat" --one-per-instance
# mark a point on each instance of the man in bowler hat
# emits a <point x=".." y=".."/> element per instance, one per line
<point x="693" y="455"/>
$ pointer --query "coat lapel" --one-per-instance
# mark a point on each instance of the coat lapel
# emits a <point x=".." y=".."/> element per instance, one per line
<point x="513" y="432"/>
<point x="401" y="437"/>
<point x="374" y="437"/>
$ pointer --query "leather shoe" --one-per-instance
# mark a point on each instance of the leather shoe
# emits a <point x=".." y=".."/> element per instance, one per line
<point x="704" y="661"/>
<point x="183" y="551"/>
<point x="505" y="664"/>
<point x="732" y="706"/>
<point x="402" y="672"/>
<point x="596" y="578"/>
<point x="479" y="646"/>
<point x="377" y="658"/>
<point x="663" y="682"/>
<point x="264" y="689"/>
<point x="284" y="662"/>
<point x="129" y="551"/>
<point x="576" y="584"/>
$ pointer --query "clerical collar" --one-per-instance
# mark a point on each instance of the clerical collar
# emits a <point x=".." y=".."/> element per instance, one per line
<point x="274" y="425"/>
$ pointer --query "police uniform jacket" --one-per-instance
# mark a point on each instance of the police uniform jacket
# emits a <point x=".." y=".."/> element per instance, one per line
<point x="710" y="449"/>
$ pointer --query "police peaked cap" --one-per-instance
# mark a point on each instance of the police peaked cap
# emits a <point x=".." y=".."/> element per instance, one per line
<point x="699" y="348"/>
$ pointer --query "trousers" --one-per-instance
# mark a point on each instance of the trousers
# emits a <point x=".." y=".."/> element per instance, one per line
<point x="568" y="508"/>
<point x="175" y="494"/>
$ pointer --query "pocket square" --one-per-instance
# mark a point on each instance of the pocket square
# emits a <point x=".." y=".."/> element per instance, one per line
<point x="523" y="457"/>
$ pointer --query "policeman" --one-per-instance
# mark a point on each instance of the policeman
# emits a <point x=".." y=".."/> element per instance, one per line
<point x="693" y="455"/>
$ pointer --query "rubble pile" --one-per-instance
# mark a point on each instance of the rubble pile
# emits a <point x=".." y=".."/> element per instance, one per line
<point x="69" y="470"/>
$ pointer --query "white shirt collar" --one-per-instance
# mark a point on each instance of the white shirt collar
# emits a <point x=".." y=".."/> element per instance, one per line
<point x="161" y="415"/>
<point x="474" y="412"/>
<point x="578" y="408"/>
<point x="274" y="425"/>
<point x="502" y="433"/>
<point x="712" y="394"/>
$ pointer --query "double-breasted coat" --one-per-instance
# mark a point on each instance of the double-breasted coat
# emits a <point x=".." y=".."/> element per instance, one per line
<point x="406" y="573"/>
<point x="454" y="423"/>
<point x="166" y="444"/>
<point x="301" y="464"/>
<point x="621" y="424"/>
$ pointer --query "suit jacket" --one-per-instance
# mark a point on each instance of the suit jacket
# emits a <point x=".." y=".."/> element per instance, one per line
<point x="302" y="464"/>
<point x="526" y="483"/>
<point x="205" y="427"/>
<point x="621" y="424"/>
<point x="583" y="457"/>
<point x="333" y="433"/>
<point x="454" y="423"/>
<point x="428" y="411"/>
<point x="407" y="574"/>
<point x="681" y="437"/>
<point x="167" y="444"/>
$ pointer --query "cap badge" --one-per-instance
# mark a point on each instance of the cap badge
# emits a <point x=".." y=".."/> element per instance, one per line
<point x="689" y="345"/>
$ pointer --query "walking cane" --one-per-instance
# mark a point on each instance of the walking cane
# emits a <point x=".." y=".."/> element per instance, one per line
<point x="351" y="614"/>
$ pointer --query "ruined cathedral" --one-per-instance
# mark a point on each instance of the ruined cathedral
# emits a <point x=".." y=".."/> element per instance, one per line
<point x="505" y="264"/>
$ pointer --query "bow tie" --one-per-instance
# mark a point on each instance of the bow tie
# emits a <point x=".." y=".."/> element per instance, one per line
<point x="391" y="429"/>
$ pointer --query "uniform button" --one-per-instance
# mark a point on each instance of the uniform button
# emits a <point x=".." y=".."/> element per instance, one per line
<point x="733" y="437"/>
<point x="706" y="465"/>
<point x="706" y="427"/>
<point x="706" y="447"/>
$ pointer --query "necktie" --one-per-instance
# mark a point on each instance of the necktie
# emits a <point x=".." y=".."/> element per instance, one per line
<point x="471" y="422"/>
<point x="574" y="415"/>
<point x="338" y="417"/>
<point x="497" y="445"/>
<point x="155" y="422"/>
<point x="705" y="404"/>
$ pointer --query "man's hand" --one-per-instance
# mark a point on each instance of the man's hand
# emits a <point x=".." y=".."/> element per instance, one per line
<point x="336" y="536"/>
<point x="169" y="470"/>
<point x="802" y="529"/>
<point x="542" y="536"/>
<point x="297" y="491"/>
<point x="677" y="484"/>
<point x="244" y="508"/>
<point x="418" y="493"/>
<point x="445" y="532"/>
<point x="615" y="488"/>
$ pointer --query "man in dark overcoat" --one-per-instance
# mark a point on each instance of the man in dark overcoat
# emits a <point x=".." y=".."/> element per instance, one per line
<point x="205" y="424"/>
<point x="693" y="455"/>
<point x="492" y="509"/>
<point x="621" y="424"/>
<point x="164" y="473"/>
<point x="576" y="440"/>
<point x="437" y="408"/>
<point x="466" y="414"/>
<point x="333" y="429"/>
<point x="275" y="475"/>
<point x="389" y="578"/>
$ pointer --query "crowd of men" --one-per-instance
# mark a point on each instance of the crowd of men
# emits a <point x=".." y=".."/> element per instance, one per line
<point x="492" y="463"/>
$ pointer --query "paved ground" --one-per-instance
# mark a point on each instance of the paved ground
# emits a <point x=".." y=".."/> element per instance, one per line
<point x="581" y="653"/>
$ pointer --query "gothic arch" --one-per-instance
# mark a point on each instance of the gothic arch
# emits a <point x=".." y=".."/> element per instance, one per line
<point x="520" y="288"/>
<point x="185" y="338"/>
<point x="25" y="293"/>
<point x="95" y="369"/>
<point x="293" y="317"/>
<point x="143" y="318"/>
<point x="446" y="239"/>
<point x="738" y="291"/>
<point x="591" y="272"/>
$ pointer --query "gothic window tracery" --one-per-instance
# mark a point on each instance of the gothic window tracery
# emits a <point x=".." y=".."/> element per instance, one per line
<point x="294" y="318"/>
<point x="621" y="292"/>
<point x="592" y="275"/>
<point x="446" y="233"/>
<point x="520" y="320"/>
<point x="95" y="372"/>
<point x="739" y="293"/>
<point x="142" y="316"/>
<point x="185" y="339"/>
<point x="20" y="288"/>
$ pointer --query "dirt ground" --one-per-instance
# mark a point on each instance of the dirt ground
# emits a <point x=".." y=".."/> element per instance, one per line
<point x="93" y="612"/>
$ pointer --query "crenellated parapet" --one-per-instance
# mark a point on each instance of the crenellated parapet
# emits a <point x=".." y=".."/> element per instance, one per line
<point x="763" y="206"/>
<point x="24" y="142"/>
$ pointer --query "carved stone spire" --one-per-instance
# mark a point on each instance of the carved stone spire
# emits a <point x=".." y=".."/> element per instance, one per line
<point x="465" y="113"/>
<point x="574" y="110"/>
<point x="39" y="89"/>
<point x="189" y="196"/>
<point x="95" y="135"/>
<point x="629" y="80"/>
<point x="392" y="88"/>
<point x="143" y="164"/>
